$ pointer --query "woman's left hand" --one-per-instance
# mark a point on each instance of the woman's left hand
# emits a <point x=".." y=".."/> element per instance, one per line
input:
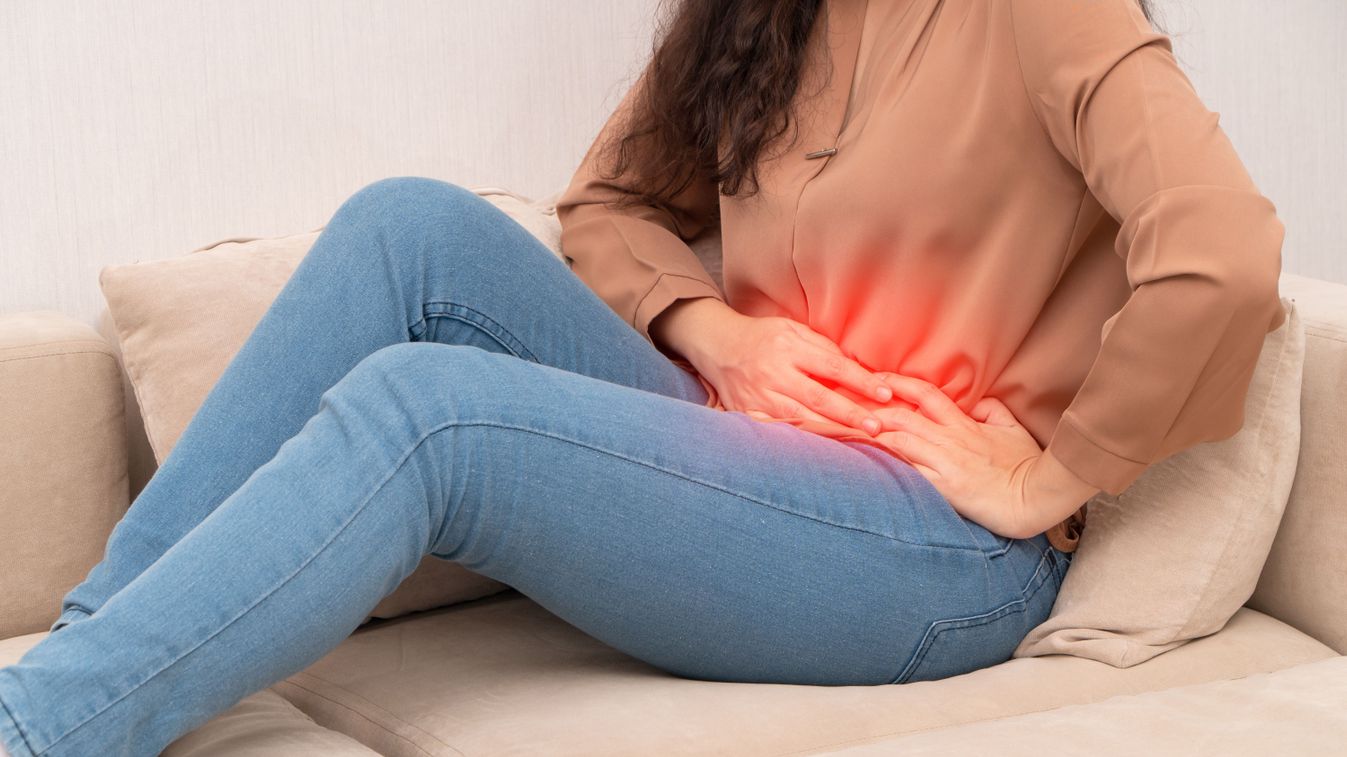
<point x="981" y="462"/>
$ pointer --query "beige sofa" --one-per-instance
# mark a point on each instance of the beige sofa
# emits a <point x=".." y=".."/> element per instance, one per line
<point x="500" y="675"/>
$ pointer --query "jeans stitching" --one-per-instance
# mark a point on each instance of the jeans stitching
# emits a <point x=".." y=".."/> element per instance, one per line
<point x="78" y="610"/>
<point x="938" y="627"/>
<point x="1001" y="550"/>
<point x="479" y="320"/>
<point x="593" y="447"/>
<point x="18" y="729"/>
<point x="407" y="455"/>
<point x="1044" y="568"/>
<point x="360" y="509"/>
<point x="495" y="330"/>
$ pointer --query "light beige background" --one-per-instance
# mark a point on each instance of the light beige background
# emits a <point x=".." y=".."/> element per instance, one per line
<point x="141" y="129"/>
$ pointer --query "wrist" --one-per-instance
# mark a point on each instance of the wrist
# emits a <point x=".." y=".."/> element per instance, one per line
<point x="680" y="330"/>
<point x="1055" y="492"/>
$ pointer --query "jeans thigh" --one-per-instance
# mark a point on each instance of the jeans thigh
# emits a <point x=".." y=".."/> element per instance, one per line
<point x="404" y="259"/>
<point x="704" y="542"/>
<point x="470" y="274"/>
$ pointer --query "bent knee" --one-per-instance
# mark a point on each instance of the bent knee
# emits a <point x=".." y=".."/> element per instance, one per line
<point x="409" y="366"/>
<point x="423" y="384"/>
<point x="393" y="192"/>
<point x="397" y="200"/>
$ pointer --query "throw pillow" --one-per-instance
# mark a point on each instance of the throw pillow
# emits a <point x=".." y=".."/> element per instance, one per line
<point x="179" y="322"/>
<point x="1172" y="557"/>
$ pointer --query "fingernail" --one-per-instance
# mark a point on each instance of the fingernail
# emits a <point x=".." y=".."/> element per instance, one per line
<point x="884" y="393"/>
<point x="871" y="425"/>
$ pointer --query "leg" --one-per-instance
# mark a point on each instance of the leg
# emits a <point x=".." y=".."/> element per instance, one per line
<point x="704" y="542"/>
<point x="404" y="259"/>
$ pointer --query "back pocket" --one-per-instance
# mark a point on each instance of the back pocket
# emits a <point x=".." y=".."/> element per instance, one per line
<point x="956" y="646"/>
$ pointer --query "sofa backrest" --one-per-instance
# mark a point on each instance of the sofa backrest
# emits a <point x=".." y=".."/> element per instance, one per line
<point x="1304" y="582"/>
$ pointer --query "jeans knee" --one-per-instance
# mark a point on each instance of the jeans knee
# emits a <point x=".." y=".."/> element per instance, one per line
<point x="401" y="367"/>
<point x="418" y="219"/>
<point x="411" y="387"/>
<point x="397" y="202"/>
<point x="397" y="192"/>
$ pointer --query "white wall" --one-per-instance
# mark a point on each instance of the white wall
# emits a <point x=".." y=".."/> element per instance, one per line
<point x="141" y="129"/>
<point x="1276" y="71"/>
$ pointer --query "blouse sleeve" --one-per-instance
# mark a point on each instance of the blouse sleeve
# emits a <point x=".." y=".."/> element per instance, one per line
<point x="636" y="259"/>
<point x="1201" y="245"/>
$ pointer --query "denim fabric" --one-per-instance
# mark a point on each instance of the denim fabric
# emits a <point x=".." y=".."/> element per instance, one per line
<point x="433" y="380"/>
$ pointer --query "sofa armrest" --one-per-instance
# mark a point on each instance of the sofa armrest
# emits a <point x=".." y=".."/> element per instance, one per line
<point x="63" y="476"/>
<point x="1302" y="582"/>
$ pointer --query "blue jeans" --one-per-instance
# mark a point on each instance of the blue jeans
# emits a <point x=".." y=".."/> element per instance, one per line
<point x="433" y="380"/>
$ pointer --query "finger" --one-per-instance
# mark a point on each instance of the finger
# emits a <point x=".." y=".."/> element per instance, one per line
<point x="902" y="419"/>
<point x="928" y="397"/>
<point x="872" y="386"/>
<point x="813" y="337"/>
<point x="843" y="370"/>
<point x="781" y="406"/>
<point x="917" y="450"/>
<point x="931" y="474"/>
<point x="835" y="404"/>
<point x="831" y="404"/>
<point x="993" y="411"/>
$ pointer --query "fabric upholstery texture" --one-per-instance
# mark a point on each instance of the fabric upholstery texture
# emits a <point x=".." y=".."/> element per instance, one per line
<point x="1297" y="710"/>
<point x="1305" y="579"/>
<point x="502" y="674"/>
<point x="265" y="725"/>
<point x="63" y="476"/>
<point x="1172" y="557"/>
<point x="180" y="320"/>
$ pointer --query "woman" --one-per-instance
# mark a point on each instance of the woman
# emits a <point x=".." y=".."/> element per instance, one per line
<point x="1007" y="230"/>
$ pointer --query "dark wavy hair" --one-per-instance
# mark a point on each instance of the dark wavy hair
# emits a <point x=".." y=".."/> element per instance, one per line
<point x="721" y="70"/>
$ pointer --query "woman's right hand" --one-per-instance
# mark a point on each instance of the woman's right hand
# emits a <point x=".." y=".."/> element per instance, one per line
<point x="777" y="366"/>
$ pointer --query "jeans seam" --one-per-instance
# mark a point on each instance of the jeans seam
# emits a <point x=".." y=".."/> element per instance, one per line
<point x="482" y="322"/>
<point x="591" y="446"/>
<point x="401" y="462"/>
<point x="505" y="338"/>
<point x="938" y="627"/>
<point x="1061" y="564"/>
<point x="928" y="638"/>
<point x="1034" y="581"/>
<point x="360" y="509"/>
<point x="66" y="618"/>
<point x="18" y="727"/>
<point x="77" y="608"/>
<point x="1001" y="550"/>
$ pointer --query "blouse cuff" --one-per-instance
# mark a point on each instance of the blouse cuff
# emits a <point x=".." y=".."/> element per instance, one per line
<point x="1090" y="462"/>
<point x="668" y="288"/>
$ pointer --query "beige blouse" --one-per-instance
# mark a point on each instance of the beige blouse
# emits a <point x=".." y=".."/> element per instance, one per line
<point x="1018" y="198"/>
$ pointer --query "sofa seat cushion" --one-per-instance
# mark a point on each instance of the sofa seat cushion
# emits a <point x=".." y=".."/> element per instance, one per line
<point x="1297" y="710"/>
<point x="504" y="675"/>
<point x="263" y="724"/>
